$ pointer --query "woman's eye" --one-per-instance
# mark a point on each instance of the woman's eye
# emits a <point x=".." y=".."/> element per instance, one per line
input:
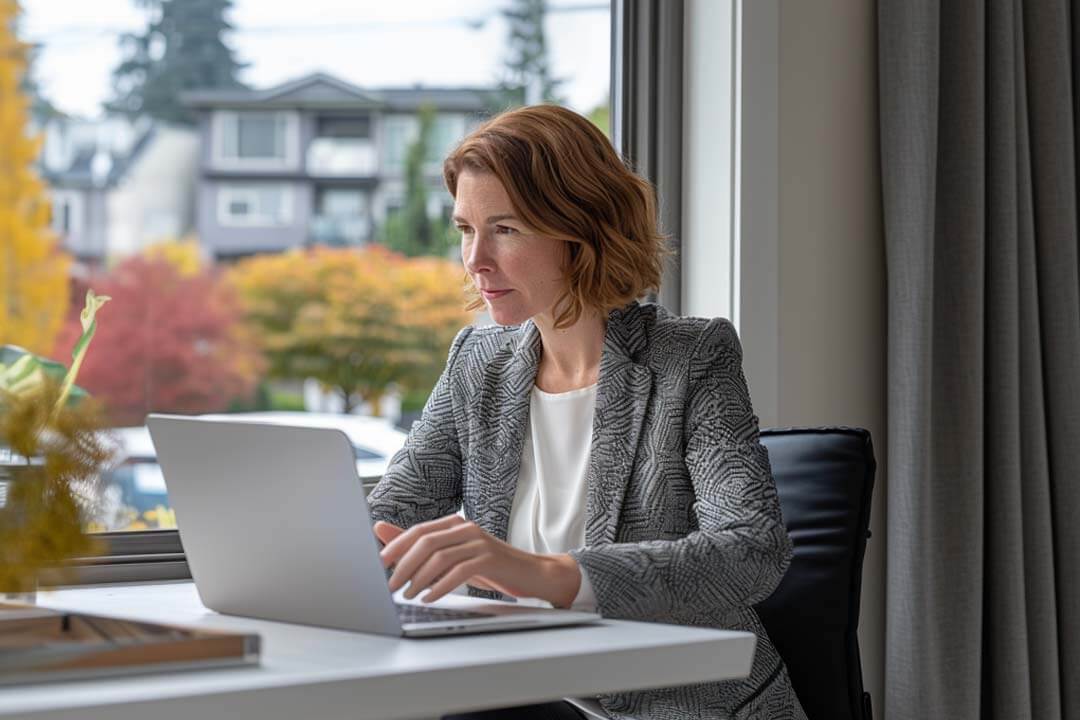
<point x="504" y="230"/>
<point x="464" y="229"/>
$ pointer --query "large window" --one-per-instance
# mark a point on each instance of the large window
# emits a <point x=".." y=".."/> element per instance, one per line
<point x="398" y="132"/>
<point x="343" y="217"/>
<point x="263" y="205"/>
<point x="296" y="138"/>
<point x="255" y="139"/>
<point x="403" y="130"/>
<point x="445" y="132"/>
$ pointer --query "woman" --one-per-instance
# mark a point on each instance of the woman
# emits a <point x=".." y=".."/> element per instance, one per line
<point x="604" y="451"/>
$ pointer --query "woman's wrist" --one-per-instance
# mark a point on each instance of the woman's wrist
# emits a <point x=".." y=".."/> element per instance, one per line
<point x="562" y="579"/>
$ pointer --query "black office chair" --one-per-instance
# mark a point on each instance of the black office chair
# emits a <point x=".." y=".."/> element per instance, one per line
<point x="825" y="477"/>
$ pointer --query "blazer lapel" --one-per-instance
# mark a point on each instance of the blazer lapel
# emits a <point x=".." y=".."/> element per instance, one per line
<point x="621" y="401"/>
<point x="502" y="423"/>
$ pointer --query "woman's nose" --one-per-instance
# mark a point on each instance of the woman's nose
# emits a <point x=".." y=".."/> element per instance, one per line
<point x="477" y="254"/>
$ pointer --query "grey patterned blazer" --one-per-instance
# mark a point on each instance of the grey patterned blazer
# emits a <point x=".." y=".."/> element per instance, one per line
<point x="683" y="523"/>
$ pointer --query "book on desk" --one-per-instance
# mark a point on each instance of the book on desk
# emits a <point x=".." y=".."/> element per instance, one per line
<point x="40" y="645"/>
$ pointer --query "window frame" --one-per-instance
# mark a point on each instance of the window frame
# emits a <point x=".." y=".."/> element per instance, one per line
<point x="458" y="124"/>
<point x="72" y="201"/>
<point x="646" y="99"/>
<point x="228" y="192"/>
<point x="647" y="113"/>
<point x="324" y="120"/>
<point x="132" y="556"/>
<point x="407" y="126"/>
<point x="225" y="121"/>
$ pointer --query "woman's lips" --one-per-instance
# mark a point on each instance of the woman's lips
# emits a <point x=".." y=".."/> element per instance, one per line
<point x="493" y="294"/>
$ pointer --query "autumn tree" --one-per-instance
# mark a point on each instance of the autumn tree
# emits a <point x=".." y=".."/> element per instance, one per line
<point x="33" y="270"/>
<point x="358" y="321"/>
<point x="185" y="255"/>
<point x="173" y="342"/>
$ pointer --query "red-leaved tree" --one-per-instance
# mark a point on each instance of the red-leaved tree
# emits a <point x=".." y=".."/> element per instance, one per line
<point x="169" y="341"/>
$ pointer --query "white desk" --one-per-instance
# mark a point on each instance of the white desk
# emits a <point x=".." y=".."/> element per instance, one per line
<point x="316" y="674"/>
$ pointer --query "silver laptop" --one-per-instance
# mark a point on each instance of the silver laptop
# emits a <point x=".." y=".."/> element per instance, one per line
<point x="275" y="525"/>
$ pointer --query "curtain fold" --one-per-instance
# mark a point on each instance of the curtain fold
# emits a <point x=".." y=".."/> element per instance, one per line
<point x="979" y="153"/>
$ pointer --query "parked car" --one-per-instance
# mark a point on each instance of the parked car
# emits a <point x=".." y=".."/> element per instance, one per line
<point x="374" y="440"/>
<point x="134" y="495"/>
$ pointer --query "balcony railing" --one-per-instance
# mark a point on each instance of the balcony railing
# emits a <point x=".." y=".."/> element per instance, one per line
<point x="337" y="231"/>
<point x="337" y="157"/>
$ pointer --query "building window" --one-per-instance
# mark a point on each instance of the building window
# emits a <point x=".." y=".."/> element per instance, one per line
<point x="345" y="126"/>
<point x="64" y="217"/>
<point x="446" y="131"/>
<point x="342" y="218"/>
<point x="66" y="213"/>
<point x="398" y="132"/>
<point x="266" y="205"/>
<point x="256" y="139"/>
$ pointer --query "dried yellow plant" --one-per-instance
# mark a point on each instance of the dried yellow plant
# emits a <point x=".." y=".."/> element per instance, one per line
<point x="52" y="478"/>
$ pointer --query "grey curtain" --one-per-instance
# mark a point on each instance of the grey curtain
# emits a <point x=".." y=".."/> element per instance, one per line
<point x="979" y="113"/>
<point x="646" y="119"/>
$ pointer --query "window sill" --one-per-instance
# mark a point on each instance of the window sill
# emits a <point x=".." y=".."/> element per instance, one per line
<point x="142" y="556"/>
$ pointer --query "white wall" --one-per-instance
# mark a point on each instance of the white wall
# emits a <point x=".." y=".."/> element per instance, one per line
<point x="155" y="199"/>
<point x="809" y="298"/>
<point x="832" y="253"/>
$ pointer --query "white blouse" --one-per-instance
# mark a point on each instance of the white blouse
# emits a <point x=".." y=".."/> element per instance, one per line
<point x="548" y="512"/>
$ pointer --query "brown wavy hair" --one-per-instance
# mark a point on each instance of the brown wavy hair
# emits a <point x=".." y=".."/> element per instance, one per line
<point x="566" y="181"/>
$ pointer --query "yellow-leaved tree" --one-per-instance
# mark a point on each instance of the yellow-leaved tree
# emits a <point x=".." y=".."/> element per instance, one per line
<point x="359" y="321"/>
<point x="33" y="270"/>
<point x="183" y="254"/>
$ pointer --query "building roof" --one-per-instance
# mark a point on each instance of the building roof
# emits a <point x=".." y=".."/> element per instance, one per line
<point x="324" y="91"/>
<point x="80" y="172"/>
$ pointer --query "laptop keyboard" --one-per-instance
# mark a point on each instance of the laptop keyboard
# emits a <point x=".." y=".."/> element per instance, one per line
<point x="420" y="613"/>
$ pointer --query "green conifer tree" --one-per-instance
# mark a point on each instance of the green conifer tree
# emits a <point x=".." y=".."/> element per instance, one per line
<point x="183" y="48"/>
<point x="527" y="58"/>
<point x="411" y="231"/>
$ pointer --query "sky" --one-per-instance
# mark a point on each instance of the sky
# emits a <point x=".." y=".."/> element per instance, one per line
<point x="371" y="43"/>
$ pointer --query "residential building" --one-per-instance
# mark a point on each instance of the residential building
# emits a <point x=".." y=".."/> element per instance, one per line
<point x="117" y="186"/>
<point x="317" y="160"/>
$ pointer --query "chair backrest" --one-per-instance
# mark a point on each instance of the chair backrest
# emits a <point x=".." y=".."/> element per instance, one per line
<point x="825" y="477"/>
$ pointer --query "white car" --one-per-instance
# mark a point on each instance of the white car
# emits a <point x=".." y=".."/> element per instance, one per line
<point x="137" y="483"/>
<point x="374" y="440"/>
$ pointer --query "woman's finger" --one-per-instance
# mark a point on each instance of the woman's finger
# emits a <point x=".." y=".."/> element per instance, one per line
<point x="458" y="575"/>
<point x="441" y="562"/>
<point x="434" y="540"/>
<point x="401" y="544"/>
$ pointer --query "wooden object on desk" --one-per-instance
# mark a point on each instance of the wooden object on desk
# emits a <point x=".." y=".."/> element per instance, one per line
<point x="38" y="644"/>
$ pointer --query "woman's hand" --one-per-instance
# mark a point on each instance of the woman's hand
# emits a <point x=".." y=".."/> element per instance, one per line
<point x="441" y="554"/>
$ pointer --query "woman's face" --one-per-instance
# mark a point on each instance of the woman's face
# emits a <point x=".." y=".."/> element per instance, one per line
<point x="519" y="273"/>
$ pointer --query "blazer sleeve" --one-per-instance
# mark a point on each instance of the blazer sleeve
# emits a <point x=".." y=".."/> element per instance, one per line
<point x="741" y="549"/>
<point x="423" y="480"/>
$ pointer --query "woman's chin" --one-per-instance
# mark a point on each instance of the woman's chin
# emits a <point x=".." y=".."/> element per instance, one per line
<point x="506" y="316"/>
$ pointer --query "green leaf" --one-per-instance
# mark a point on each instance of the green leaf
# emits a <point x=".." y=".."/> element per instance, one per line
<point x="86" y="318"/>
<point x="23" y="373"/>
